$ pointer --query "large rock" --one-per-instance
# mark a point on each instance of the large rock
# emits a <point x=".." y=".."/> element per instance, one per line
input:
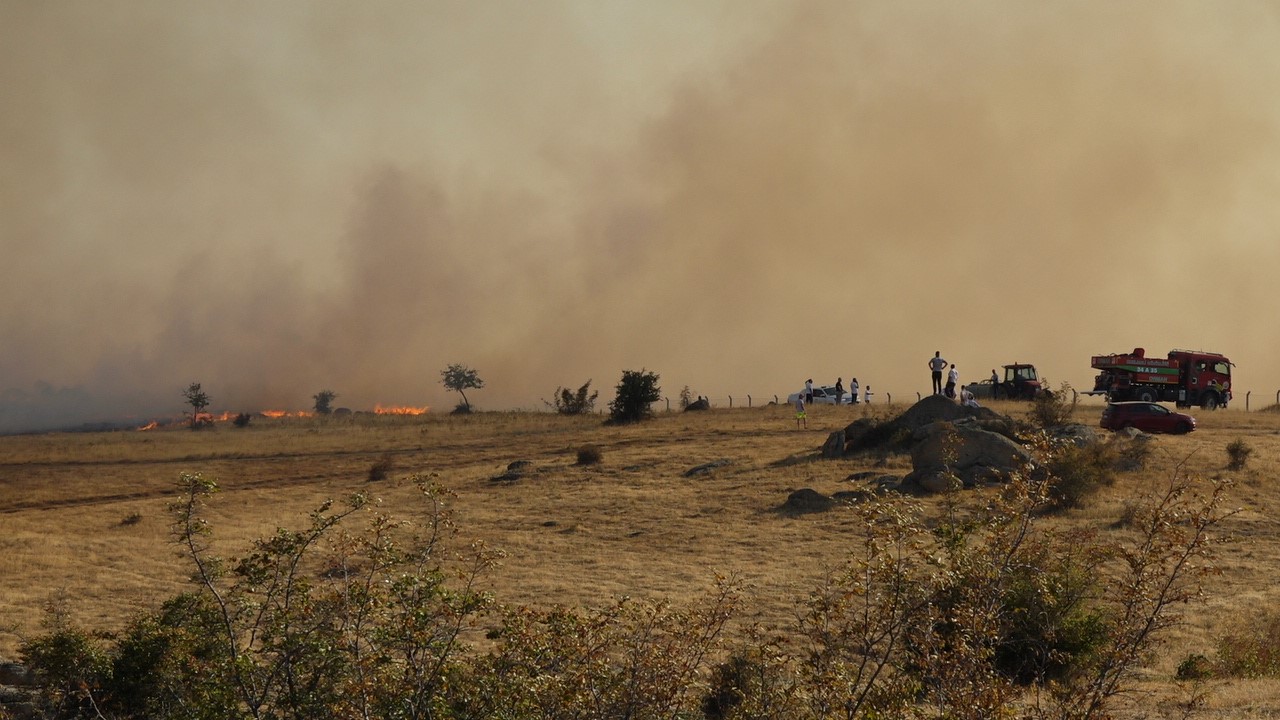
<point x="936" y="408"/>
<point x="1078" y="435"/>
<point x="944" y="452"/>
<point x="897" y="434"/>
<point x="834" y="446"/>
<point x="17" y="675"/>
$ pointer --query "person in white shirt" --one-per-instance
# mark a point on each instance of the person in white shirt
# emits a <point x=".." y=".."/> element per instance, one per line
<point x="853" y="391"/>
<point x="936" y="366"/>
<point x="953" y="378"/>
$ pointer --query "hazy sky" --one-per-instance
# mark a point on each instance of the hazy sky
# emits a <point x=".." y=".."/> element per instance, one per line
<point x="277" y="198"/>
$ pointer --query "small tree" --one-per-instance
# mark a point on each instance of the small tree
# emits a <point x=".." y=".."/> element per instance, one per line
<point x="460" y="378"/>
<point x="198" y="400"/>
<point x="567" y="402"/>
<point x="636" y="391"/>
<point x="324" y="401"/>
<point x="686" y="397"/>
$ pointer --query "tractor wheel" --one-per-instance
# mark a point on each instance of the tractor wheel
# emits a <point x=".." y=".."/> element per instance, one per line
<point x="1209" y="402"/>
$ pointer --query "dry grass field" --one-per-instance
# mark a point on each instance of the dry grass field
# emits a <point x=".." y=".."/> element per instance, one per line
<point x="84" y="516"/>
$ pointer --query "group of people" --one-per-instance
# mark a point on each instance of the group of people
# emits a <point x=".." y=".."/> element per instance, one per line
<point x="805" y="398"/>
<point x="840" y="392"/>
<point x="936" y="365"/>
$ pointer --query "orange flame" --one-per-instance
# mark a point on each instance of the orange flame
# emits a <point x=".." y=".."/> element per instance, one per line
<point x="400" y="410"/>
<point x="149" y="426"/>
<point x="285" y="413"/>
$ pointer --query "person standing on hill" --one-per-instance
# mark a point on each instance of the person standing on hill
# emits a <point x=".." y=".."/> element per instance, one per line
<point x="936" y="366"/>
<point x="853" y="391"/>
<point x="952" y="378"/>
<point x="839" y="390"/>
<point x="801" y="417"/>
<point x="808" y="391"/>
<point x="995" y="384"/>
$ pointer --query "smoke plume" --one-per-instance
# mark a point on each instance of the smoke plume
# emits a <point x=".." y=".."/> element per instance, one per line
<point x="275" y="199"/>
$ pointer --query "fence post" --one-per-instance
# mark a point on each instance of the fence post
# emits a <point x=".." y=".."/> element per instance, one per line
<point x="917" y="397"/>
<point x="1246" y="400"/>
<point x="668" y="403"/>
<point x="730" y="401"/>
<point x="748" y="401"/>
<point x="888" y="398"/>
<point x="1075" y="396"/>
<point x="775" y="399"/>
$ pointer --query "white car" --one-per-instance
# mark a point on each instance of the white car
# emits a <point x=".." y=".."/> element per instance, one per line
<point x="824" y="395"/>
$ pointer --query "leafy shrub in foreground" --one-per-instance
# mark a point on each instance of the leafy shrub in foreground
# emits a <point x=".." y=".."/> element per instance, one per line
<point x="931" y="618"/>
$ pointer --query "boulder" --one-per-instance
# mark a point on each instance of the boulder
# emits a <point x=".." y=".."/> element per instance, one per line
<point x="807" y="500"/>
<point x="17" y="675"/>
<point x="1078" y="435"/>
<point x="705" y="468"/>
<point x="930" y="481"/>
<point x="862" y="433"/>
<point x="945" y="452"/>
<point x="515" y="471"/>
<point x="866" y="433"/>
<point x="834" y="446"/>
<point x="697" y="405"/>
<point x="935" y="408"/>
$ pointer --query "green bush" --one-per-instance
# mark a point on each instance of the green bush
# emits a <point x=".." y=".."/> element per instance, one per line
<point x="73" y="663"/>
<point x="634" y="397"/>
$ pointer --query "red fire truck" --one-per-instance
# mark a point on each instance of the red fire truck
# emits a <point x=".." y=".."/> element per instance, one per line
<point x="1185" y="377"/>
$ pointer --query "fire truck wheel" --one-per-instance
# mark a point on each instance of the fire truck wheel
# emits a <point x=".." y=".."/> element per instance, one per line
<point x="1209" y="402"/>
<point x="1147" y="395"/>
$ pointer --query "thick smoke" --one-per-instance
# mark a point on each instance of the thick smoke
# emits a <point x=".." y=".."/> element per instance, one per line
<point x="277" y="199"/>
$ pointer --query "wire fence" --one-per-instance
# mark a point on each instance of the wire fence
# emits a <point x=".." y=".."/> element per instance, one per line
<point x="750" y="400"/>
